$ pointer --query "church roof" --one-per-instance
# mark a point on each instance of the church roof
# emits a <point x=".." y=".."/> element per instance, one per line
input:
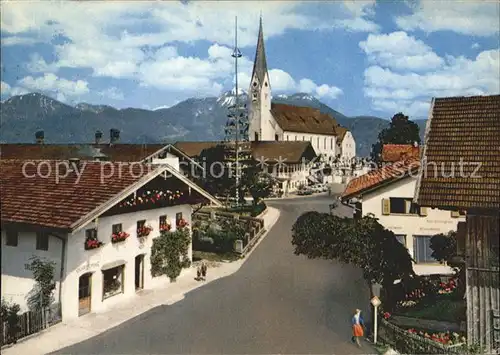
<point x="305" y="120"/>
<point x="260" y="62"/>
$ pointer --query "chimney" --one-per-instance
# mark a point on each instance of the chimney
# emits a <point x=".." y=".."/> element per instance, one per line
<point x="98" y="137"/>
<point x="74" y="164"/>
<point x="114" y="135"/>
<point x="39" y="136"/>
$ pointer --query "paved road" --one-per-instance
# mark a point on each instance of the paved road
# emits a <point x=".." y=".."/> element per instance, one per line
<point x="277" y="303"/>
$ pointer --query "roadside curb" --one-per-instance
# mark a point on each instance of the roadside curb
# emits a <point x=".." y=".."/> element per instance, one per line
<point x="41" y="343"/>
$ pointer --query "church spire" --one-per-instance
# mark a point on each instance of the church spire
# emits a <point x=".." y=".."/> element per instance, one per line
<point x="260" y="63"/>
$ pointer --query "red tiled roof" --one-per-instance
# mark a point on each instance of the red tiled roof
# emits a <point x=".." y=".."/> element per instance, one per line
<point x="28" y="197"/>
<point x="462" y="130"/>
<point x="395" y="152"/>
<point x="305" y="119"/>
<point x="115" y="152"/>
<point x="375" y="178"/>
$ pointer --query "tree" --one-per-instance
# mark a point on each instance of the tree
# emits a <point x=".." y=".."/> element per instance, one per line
<point x="254" y="181"/>
<point x="444" y="249"/>
<point x="42" y="294"/>
<point x="401" y="130"/>
<point x="169" y="253"/>
<point x="362" y="242"/>
<point x="217" y="179"/>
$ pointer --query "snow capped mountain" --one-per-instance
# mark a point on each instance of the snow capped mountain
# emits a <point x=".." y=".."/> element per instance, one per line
<point x="92" y="108"/>
<point x="228" y="98"/>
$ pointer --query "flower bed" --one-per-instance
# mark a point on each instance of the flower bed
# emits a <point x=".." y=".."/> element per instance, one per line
<point x="445" y="338"/>
<point x="144" y="231"/>
<point x="119" y="237"/>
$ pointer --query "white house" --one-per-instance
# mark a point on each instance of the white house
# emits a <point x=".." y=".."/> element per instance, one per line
<point x="57" y="214"/>
<point x="280" y="122"/>
<point x="387" y="193"/>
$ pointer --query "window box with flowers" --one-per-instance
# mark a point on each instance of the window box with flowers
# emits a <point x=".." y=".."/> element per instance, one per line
<point x="165" y="227"/>
<point x="143" y="230"/>
<point x="182" y="223"/>
<point x="119" y="237"/>
<point x="91" y="241"/>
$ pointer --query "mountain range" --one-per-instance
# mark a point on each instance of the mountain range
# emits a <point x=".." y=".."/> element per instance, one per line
<point x="194" y="119"/>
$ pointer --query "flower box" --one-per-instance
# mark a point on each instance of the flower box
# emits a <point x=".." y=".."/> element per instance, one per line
<point x="181" y="223"/>
<point x="93" y="244"/>
<point x="119" y="237"/>
<point x="144" y="231"/>
<point x="165" y="227"/>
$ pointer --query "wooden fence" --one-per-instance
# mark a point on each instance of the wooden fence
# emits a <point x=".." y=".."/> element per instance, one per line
<point x="29" y="323"/>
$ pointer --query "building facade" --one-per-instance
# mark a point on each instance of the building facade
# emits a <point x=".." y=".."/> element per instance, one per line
<point x="388" y="197"/>
<point x="280" y="122"/>
<point x="97" y="227"/>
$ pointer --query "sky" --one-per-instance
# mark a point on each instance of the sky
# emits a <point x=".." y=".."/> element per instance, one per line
<point x="358" y="57"/>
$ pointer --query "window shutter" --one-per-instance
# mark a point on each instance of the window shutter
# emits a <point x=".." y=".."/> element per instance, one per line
<point x="408" y="206"/>
<point x="386" y="206"/>
<point x="455" y="214"/>
<point x="423" y="211"/>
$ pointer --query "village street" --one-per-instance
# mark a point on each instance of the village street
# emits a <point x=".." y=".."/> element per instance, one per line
<point x="276" y="303"/>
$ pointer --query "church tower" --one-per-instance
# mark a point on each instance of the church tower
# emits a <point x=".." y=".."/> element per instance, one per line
<point x="259" y="96"/>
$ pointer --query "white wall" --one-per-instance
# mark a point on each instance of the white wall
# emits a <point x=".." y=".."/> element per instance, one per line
<point x="437" y="221"/>
<point x="81" y="261"/>
<point x="329" y="150"/>
<point x="260" y="119"/>
<point x="17" y="280"/>
<point x="348" y="146"/>
<point x="170" y="159"/>
<point x="296" y="173"/>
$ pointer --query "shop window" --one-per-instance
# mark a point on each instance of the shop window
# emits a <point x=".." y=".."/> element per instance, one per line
<point x="112" y="281"/>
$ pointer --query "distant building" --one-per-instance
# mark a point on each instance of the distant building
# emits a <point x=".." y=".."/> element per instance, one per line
<point x="461" y="170"/>
<point x="387" y="193"/>
<point x="280" y="122"/>
<point x="392" y="153"/>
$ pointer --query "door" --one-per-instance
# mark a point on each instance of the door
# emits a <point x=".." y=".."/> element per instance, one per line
<point x="84" y="294"/>
<point x="139" y="272"/>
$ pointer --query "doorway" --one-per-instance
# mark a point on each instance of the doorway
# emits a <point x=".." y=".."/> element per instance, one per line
<point x="139" y="272"/>
<point x="84" y="294"/>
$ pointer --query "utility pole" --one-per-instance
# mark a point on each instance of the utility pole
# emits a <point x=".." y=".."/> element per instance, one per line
<point x="237" y="54"/>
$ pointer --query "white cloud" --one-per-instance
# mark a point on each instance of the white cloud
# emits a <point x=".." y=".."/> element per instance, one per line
<point x="51" y="84"/>
<point x="459" y="76"/>
<point x="308" y="86"/>
<point x="5" y="89"/>
<point x="359" y="14"/>
<point x="478" y="18"/>
<point x="475" y="46"/>
<point x="397" y="50"/>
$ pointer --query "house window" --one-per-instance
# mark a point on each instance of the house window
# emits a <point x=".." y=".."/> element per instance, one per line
<point x="256" y="136"/>
<point x="295" y="137"/>
<point x="91" y="233"/>
<point x="397" y="205"/>
<point x="12" y="238"/>
<point x="422" y="249"/>
<point x="112" y="281"/>
<point x="287" y="137"/>
<point x="401" y="238"/>
<point x="42" y="241"/>
<point x="116" y="228"/>
<point x="303" y="138"/>
<point x="178" y="217"/>
<point x="141" y="224"/>
<point x="276" y="137"/>
<point x="163" y="220"/>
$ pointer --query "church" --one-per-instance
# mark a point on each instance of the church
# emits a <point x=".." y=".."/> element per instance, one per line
<point x="280" y="122"/>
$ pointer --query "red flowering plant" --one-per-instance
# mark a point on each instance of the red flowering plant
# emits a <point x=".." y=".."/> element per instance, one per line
<point x="165" y="227"/>
<point x="445" y="338"/>
<point x="448" y="287"/>
<point x="93" y="243"/>
<point x="386" y="315"/>
<point x="144" y="231"/>
<point x="119" y="237"/>
<point x="181" y="223"/>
